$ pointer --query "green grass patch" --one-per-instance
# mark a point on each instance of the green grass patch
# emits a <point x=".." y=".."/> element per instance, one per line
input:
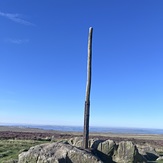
<point x="10" y="149"/>
<point x="155" y="161"/>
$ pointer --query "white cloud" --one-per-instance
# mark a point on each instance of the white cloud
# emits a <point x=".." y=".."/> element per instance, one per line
<point x="16" y="18"/>
<point x="17" y="41"/>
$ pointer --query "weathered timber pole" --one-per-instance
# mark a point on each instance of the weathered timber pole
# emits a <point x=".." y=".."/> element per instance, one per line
<point x="88" y="89"/>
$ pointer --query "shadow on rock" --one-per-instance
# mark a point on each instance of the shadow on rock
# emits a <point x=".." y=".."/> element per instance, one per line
<point x="104" y="157"/>
<point x="62" y="160"/>
<point x="150" y="156"/>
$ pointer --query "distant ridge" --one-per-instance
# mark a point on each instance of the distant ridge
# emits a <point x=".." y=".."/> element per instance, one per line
<point x="117" y="130"/>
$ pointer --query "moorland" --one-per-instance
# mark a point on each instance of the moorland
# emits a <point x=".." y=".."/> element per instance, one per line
<point x="14" y="140"/>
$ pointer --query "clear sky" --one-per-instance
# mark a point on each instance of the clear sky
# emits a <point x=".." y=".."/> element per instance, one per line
<point x="43" y="55"/>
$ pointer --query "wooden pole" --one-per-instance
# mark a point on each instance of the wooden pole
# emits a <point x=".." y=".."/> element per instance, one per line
<point x="88" y="89"/>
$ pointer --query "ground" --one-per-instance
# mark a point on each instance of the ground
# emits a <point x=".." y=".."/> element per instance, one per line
<point x="14" y="140"/>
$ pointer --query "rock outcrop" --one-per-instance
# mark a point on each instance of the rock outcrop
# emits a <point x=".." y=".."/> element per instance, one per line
<point x="109" y="151"/>
<point x="127" y="152"/>
<point x="57" y="153"/>
<point x="71" y="152"/>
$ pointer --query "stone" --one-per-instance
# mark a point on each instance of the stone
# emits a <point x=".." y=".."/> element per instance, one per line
<point x="57" y="153"/>
<point x="148" y="152"/>
<point x="11" y="161"/>
<point x="127" y="152"/>
<point x="160" y="158"/>
<point x="78" y="142"/>
<point x="104" y="149"/>
<point x="107" y="147"/>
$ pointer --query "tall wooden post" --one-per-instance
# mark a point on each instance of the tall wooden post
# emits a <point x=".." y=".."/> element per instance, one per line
<point x="88" y="89"/>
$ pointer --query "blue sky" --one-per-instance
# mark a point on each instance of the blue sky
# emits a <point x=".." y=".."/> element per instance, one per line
<point x="43" y="55"/>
